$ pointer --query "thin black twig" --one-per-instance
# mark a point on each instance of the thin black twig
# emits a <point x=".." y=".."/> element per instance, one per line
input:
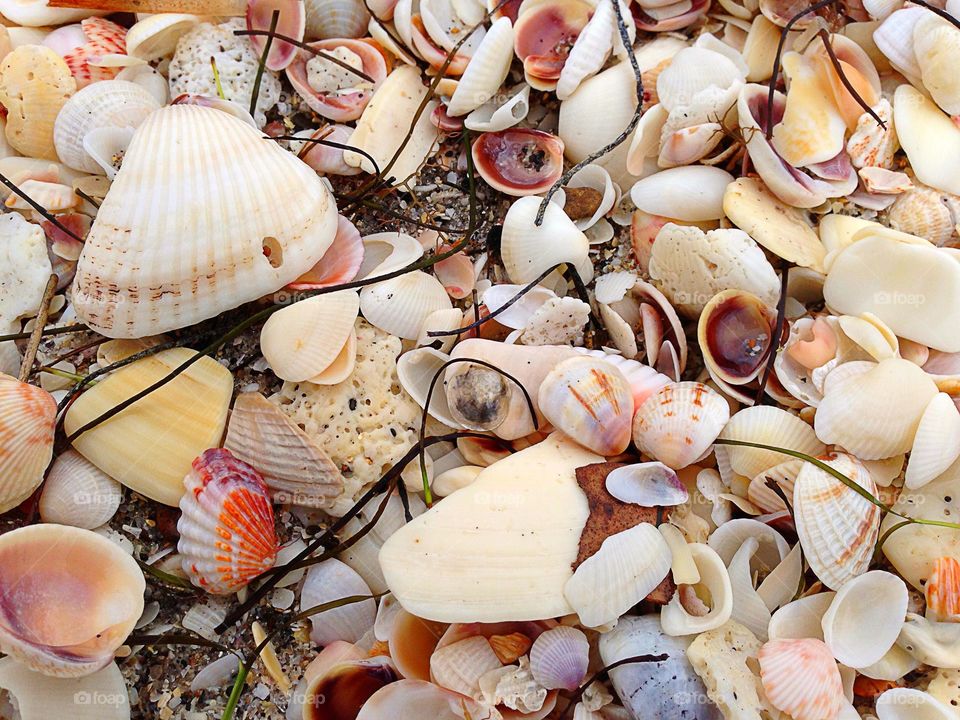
<point x="273" y="35"/>
<point x="261" y="66"/>
<point x="37" y="206"/>
<point x="824" y="35"/>
<point x="329" y="143"/>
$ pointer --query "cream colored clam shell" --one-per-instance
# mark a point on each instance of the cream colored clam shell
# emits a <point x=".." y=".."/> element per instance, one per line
<point x="936" y="446"/>
<point x="525" y="515"/>
<point x="936" y="46"/>
<point x="929" y="138"/>
<point x="690" y="194"/>
<point x="912" y="287"/>
<point x="400" y="305"/>
<point x="100" y="696"/>
<point x="187" y="224"/>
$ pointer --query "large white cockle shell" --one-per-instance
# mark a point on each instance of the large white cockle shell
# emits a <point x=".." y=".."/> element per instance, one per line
<point x="874" y="413"/>
<point x="525" y="515"/>
<point x="865" y="617"/>
<point x="929" y="138"/>
<point x="626" y="568"/>
<point x="908" y="285"/>
<point x="837" y="527"/>
<point x="198" y="183"/>
<point x="690" y="266"/>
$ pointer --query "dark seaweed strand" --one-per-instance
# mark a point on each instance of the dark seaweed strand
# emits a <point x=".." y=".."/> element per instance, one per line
<point x="428" y="495"/>
<point x="47" y="332"/>
<point x="824" y="35"/>
<point x="784" y="32"/>
<point x="329" y="143"/>
<point x="261" y="66"/>
<point x="777" y="335"/>
<point x="38" y="207"/>
<point x="565" y="178"/>
<point x="272" y="576"/>
<point x="273" y="35"/>
<point x="938" y="11"/>
<point x="84" y="196"/>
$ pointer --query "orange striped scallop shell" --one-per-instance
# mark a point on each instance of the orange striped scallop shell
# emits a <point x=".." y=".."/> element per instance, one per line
<point x="27" y="418"/>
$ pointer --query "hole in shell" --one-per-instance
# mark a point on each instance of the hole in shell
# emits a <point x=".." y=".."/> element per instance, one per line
<point x="272" y="251"/>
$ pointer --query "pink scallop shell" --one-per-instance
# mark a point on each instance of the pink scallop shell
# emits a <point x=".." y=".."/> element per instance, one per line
<point x="348" y="106"/>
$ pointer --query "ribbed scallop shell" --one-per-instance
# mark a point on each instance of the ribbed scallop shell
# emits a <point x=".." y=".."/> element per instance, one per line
<point x="942" y="590"/>
<point x="801" y="678"/>
<point x="70" y="598"/>
<point x="677" y="424"/>
<point x="400" y="305"/>
<point x="112" y="103"/>
<point x="837" y="527"/>
<point x="460" y="665"/>
<point x="329" y="581"/>
<point x="197" y="182"/>
<point x="591" y="401"/>
<point x="103" y="38"/>
<point x="294" y="468"/>
<point x="78" y="493"/>
<point x="559" y="658"/>
<point x="335" y="19"/>
<point x="926" y="213"/>
<point x="227" y="534"/>
<point x="28" y="416"/>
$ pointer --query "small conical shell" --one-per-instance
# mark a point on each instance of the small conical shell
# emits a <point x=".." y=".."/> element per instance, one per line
<point x="936" y="444"/>
<point x="294" y="468"/>
<point x="679" y="422"/>
<point x="591" y="401"/>
<point x="78" y="493"/>
<point x="226" y="529"/>
<point x="801" y="678"/>
<point x="329" y="581"/>
<point x="837" y="527"/>
<point x="111" y="103"/>
<point x="28" y="416"/>
<point x="71" y="597"/>
<point x="198" y="183"/>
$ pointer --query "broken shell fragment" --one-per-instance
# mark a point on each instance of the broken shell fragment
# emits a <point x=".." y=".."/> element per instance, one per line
<point x="519" y="161"/>
<point x="648" y="484"/>
<point x="528" y="250"/>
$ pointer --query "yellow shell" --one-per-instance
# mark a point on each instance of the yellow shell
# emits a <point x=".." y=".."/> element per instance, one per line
<point x="35" y="83"/>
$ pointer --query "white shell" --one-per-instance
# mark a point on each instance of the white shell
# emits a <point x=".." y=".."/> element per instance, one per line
<point x="911" y="704"/>
<point x="528" y="250"/>
<point x="860" y="633"/>
<point x="928" y="136"/>
<point x="626" y="568"/>
<point x="559" y="658"/>
<point x="460" y="665"/>
<point x="936" y="444"/>
<point x="110" y="103"/>
<point x="713" y="574"/>
<point x="486" y="70"/>
<point x="329" y="581"/>
<point x="416" y="370"/>
<point x="801" y="618"/>
<point x="693" y="70"/>
<point x="400" y="305"/>
<point x="749" y="608"/>
<point x="147" y="221"/>
<point x="100" y="696"/>
<point x="678" y="423"/>
<point x="894" y="38"/>
<point x="76" y="492"/>
<point x="596" y="177"/>
<point x="497" y="116"/>
<point x="691" y="194"/>
<point x="156" y="35"/>
<point x="837" y="527"/>
<point x="767" y="425"/>
<point x="590" y="50"/>
<point x="648" y="484"/>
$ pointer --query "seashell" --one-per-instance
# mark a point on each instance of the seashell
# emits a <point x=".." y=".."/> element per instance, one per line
<point x="507" y="545"/>
<point x="690" y="266"/>
<point x="54" y="197"/>
<point x="339" y="264"/>
<point x="884" y="182"/>
<point x="886" y="402"/>
<point x="679" y="422"/>
<point x="226" y="528"/>
<point x="690" y="194"/>
<point x="293" y="467"/>
<point x="345" y="687"/>
<point x="114" y="103"/>
<point x="648" y="484"/>
<point x="86" y="581"/>
<point x="837" y="527"/>
<point x="310" y="338"/>
<point x="736" y="334"/>
<point x="35" y="83"/>
<point x="559" y="658"/>
<point x="919" y="121"/>
<point x="222" y="152"/>
<point x="325" y="159"/>
<point x="520" y="161"/>
<point x="386" y="122"/>
<point x="528" y="250"/>
<point x="150" y="445"/>
<point x="101" y="39"/>
<point x="859" y="634"/>
<point x="801" y="618"/>
<point x="663" y="688"/>
<point x="595" y="178"/>
<point x="329" y="581"/>
<point x="942" y="590"/>
<point x="29" y="419"/>
<point x="800" y="677"/>
<point x="336" y="19"/>
<point x="930" y="643"/>
<point x="477" y="397"/>
<point x="36" y="696"/>
<point x="894" y="38"/>
<point x="400" y="305"/>
<point x="412" y="640"/>
<point x="871" y="145"/>
<point x="749" y="608"/>
<point x="936" y="444"/>
<point x="106" y="148"/>
<point x="416" y="370"/>
<point x="936" y="46"/>
<point x="768" y="426"/>
<point x="692" y="71"/>
<point x="495" y="116"/>
<point x="330" y="90"/>
<point x="909" y="704"/>
<point x="544" y="35"/>
<point x="155" y="36"/>
<point x="291" y="22"/>
<point x="729" y="538"/>
<point x="924" y="212"/>
<point x="626" y="568"/>
<point x="590" y="401"/>
<point x="675" y="618"/>
<point x="460" y="665"/>
<point x="409" y="698"/>
<point x="78" y="493"/>
<point x="487" y="70"/>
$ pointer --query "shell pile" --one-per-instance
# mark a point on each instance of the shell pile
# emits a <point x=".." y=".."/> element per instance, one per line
<point x="592" y="359"/>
